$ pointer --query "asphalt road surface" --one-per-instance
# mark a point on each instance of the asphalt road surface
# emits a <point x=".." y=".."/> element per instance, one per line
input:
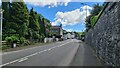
<point x="54" y="54"/>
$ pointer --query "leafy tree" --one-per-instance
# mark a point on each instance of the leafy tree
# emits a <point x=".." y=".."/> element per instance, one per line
<point x="6" y="13"/>
<point x="47" y="27"/>
<point x="20" y="16"/>
<point x="18" y="21"/>
<point x="34" y="24"/>
<point x="6" y="17"/>
<point x="90" y="20"/>
<point x="34" y="21"/>
<point x="42" y="25"/>
<point x="96" y="9"/>
<point x="88" y="23"/>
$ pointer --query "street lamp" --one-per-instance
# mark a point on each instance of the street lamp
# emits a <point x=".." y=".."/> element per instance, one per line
<point x="1" y="20"/>
<point x="86" y="8"/>
<point x="86" y="15"/>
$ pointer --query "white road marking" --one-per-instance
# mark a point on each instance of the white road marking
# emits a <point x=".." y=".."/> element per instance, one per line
<point x="26" y="57"/>
<point x="22" y="59"/>
<point x="9" y="63"/>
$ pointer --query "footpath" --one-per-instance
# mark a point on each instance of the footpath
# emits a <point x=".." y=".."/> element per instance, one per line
<point x="85" y="56"/>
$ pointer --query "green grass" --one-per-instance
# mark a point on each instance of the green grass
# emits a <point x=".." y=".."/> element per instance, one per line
<point x="4" y="47"/>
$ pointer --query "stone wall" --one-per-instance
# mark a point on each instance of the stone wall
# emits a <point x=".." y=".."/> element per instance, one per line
<point x="105" y="36"/>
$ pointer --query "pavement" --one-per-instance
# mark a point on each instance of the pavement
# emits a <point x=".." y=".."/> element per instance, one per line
<point x="64" y="53"/>
<point x="85" y="56"/>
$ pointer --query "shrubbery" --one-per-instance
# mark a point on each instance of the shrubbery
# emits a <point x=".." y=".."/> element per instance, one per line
<point x="22" y="40"/>
<point x="12" y="39"/>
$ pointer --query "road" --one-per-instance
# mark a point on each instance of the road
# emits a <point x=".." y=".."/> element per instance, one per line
<point x="53" y="54"/>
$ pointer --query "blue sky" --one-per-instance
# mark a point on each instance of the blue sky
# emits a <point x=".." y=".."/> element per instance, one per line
<point x="65" y="10"/>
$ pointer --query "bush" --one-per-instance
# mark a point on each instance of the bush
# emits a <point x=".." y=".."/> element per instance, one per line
<point x="42" y="36"/>
<point x="22" y="40"/>
<point x="35" y="35"/>
<point x="8" y="39"/>
<point x="12" y="39"/>
<point x="5" y="47"/>
<point x="27" y="42"/>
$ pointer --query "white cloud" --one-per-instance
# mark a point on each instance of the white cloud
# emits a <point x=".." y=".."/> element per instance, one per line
<point x="69" y="30"/>
<point x="72" y="30"/>
<point x="66" y="0"/>
<point x="86" y="7"/>
<point x="72" y="17"/>
<point x="49" y="3"/>
<point x="57" y="22"/>
<point x="54" y="23"/>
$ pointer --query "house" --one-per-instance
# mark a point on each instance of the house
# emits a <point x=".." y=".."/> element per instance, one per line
<point x="69" y="35"/>
<point x="57" y="31"/>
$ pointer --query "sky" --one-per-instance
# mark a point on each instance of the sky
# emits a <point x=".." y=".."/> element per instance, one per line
<point x="71" y="15"/>
<point x="68" y="13"/>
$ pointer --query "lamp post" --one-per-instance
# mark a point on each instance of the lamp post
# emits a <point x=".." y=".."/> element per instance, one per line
<point x="86" y="17"/>
<point x="86" y="8"/>
<point x="1" y="20"/>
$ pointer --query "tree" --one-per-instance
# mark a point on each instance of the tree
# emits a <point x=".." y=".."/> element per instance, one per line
<point x="6" y="17"/>
<point x="20" y="17"/>
<point x="34" y="24"/>
<point x="18" y="21"/>
<point x="88" y="23"/>
<point x="34" y="21"/>
<point x="96" y="10"/>
<point x="47" y="27"/>
<point x="6" y="14"/>
<point x="42" y="25"/>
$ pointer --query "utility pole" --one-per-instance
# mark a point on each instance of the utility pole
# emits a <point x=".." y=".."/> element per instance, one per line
<point x="86" y="8"/>
<point x="86" y="16"/>
<point x="1" y="20"/>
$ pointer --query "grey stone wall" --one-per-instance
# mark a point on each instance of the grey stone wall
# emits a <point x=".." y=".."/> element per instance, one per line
<point x="105" y="36"/>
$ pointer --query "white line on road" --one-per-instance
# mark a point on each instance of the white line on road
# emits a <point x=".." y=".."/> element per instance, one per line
<point x="9" y="63"/>
<point x="22" y="59"/>
<point x="26" y="57"/>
